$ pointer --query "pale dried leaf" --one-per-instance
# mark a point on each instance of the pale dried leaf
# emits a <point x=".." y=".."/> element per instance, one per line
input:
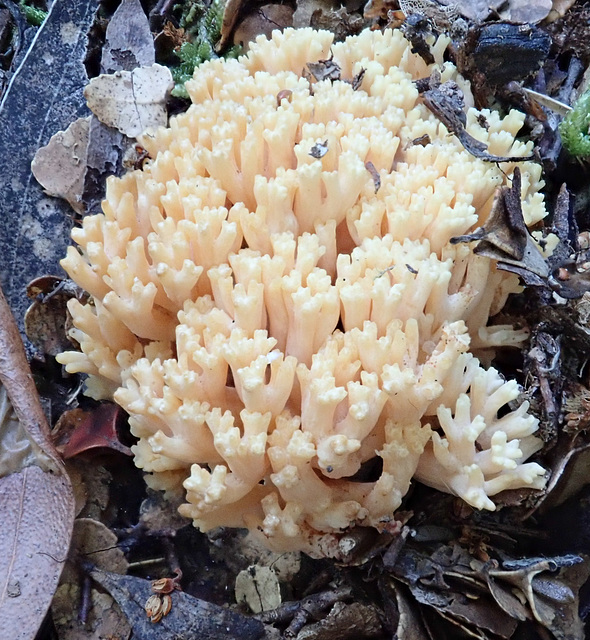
<point x="131" y="101"/>
<point x="529" y="11"/>
<point x="286" y="565"/>
<point x="60" y="166"/>
<point x="36" y="499"/>
<point x="258" y="587"/>
<point x="128" y="42"/>
<point x="476" y="10"/>
<point x="36" y="524"/>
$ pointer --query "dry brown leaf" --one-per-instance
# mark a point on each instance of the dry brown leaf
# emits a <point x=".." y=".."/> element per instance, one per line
<point x="36" y="499"/>
<point x="47" y="318"/>
<point x="262" y="21"/>
<point x="131" y="101"/>
<point x="60" y="166"/>
<point x="230" y="17"/>
<point x="96" y="429"/>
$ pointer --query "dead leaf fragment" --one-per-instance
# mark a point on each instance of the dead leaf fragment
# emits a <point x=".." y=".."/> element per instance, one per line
<point x="96" y="429"/>
<point x="505" y="237"/>
<point x="325" y="70"/>
<point x="47" y="318"/>
<point x="531" y="11"/>
<point x="131" y="101"/>
<point x="258" y="587"/>
<point x="544" y="583"/>
<point x="446" y="101"/>
<point x="60" y="166"/>
<point x="128" y="41"/>
<point x="262" y="20"/>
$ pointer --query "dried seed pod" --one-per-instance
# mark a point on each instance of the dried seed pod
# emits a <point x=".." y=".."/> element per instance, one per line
<point x="153" y="606"/>
<point x="166" y="605"/>
<point x="163" y="585"/>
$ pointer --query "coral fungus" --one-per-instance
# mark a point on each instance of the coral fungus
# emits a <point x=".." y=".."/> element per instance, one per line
<point x="276" y="303"/>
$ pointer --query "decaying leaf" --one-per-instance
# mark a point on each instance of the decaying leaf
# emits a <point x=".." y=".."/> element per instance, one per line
<point x="319" y="149"/>
<point x="488" y="598"/>
<point x="446" y="102"/>
<point x="36" y="499"/>
<point x="504" y="51"/>
<point x="263" y="19"/>
<point x="158" y="514"/>
<point x="258" y="587"/>
<point x="544" y="363"/>
<point x="96" y="429"/>
<point x="476" y="10"/>
<point x="570" y="472"/>
<point x="305" y="10"/>
<point x="409" y="626"/>
<point x="548" y="586"/>
<point x="325" y="70"/>
<point x="505" y="237"/>
<point x="341" y="22"/>
<point x="128" y="44"/>
<point x="128" y="40"/>
<point x="310" y="608"/>
<point x="188" y="618"/>
<point x="47" y="317"/>
<point x="560" y="7"/>
<point x="529" y="11"/>
<point x="60" y="166"/>
<point x="91" y="488"/>
<point x="440" y="14"/>
<point x="131" y="101"/>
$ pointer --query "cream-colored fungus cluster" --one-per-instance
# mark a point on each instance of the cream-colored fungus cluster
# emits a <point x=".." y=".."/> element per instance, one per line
<point x="272" y="319"/>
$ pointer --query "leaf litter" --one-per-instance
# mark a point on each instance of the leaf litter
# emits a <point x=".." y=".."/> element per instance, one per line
<point x="481" y="576"/>
<point x="36" y="497"/>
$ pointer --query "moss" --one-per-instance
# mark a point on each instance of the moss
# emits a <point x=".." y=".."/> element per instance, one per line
<point x="202" y="28"/>
<point x="574" y="129"/>
<point x="33" y="15"/>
